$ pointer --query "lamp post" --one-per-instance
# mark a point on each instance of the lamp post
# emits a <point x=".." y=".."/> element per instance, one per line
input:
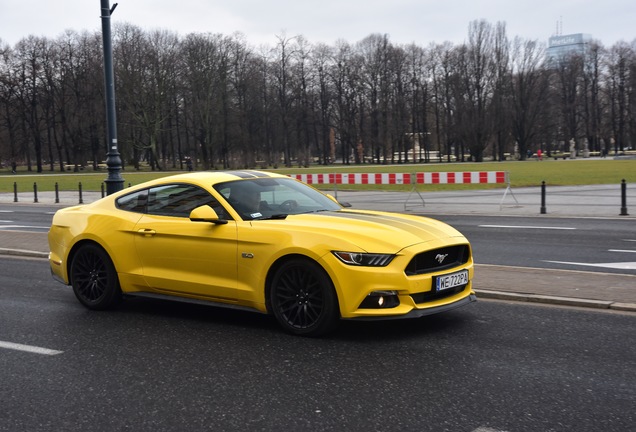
<point x="114" y="182"/>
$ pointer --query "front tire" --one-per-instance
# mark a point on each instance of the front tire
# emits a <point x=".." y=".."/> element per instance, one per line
<point x="94" y="278"/>
<point x="303" y="299"/>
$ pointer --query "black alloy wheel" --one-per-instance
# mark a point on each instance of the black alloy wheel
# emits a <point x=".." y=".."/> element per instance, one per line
<point x="303" y="299"/>
<point x="94" y="278"/>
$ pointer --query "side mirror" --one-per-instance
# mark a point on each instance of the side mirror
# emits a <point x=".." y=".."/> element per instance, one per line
<point x="205" y="213"/>
<point x="343" y="203"/>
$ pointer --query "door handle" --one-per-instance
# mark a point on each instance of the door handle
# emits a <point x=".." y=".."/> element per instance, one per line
<point x="147" y="232"/>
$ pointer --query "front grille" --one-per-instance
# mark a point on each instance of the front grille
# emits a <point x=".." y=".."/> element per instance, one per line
<point x="438" y="259"/>
<point x="432" y="295"/>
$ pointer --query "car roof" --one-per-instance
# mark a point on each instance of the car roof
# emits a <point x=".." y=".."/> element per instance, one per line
<point x="214" y="177"/>
<point x="208" y="178"/>
<point x="201" y="178"/>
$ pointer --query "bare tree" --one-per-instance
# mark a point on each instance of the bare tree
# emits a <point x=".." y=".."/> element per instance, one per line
<point x="375" y="75"/>
<point x="146" y="71"/>
<point x="593" y="108"/>
<point x="418" y="71"/>
<point x="348" y="112"/>
<point x="474" y="92"/>
<point x="399" y="97"/>
<point x="9" y="111"/>
<point x="244" y="80"/>
<point x="322" y="63"/>
<point x="501" y="96"/>
<point x="200" y="56"/>
<point x="284" y="55"/>
<point x="78" y="99"/>
<point x="529" y="87"/>
<point x="443" y="71"/>
<point x="214" y="100"/>
<point x="303" y="85"/>
<point x="568" y="75"/>
<point x="618" y="80"/>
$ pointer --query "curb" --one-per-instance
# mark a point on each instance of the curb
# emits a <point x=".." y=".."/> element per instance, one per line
<point x="23" y="253"/>
<point x="554" y="300"/>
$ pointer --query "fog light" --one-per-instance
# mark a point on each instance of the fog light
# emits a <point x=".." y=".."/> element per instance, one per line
<point x="380" y="300"/>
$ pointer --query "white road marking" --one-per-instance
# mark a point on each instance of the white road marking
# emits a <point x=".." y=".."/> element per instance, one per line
<point x="617" y="265"/>
<point x="6" y="221"/>
<point x="487" y="429"/>
<point x="621" y="250"/>
<point x="29" y="348"/>
<point x="21" y="226"/>
<point x="527" y="227"/>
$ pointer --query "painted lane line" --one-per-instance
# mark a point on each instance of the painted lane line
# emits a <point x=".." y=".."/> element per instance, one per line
<point x="621" y="250"/>
<point x="526" y="227"/>
<point x="29" y="348"/>
<point x="23" y="226"/>
<point x="616" y="265"/>
<point x="6" y="221"/>
<point x="488" y="429"/>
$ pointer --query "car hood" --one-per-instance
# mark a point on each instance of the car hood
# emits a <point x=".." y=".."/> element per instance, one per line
<point x="373" y="230"/>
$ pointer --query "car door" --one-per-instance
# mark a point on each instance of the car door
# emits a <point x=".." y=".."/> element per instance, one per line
<point x="183" y="257"/>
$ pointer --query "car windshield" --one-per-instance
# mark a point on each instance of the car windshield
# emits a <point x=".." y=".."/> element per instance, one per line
<point x="272" y="198"/>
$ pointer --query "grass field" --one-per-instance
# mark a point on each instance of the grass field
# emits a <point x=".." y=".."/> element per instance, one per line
<point x="521" y="174"/>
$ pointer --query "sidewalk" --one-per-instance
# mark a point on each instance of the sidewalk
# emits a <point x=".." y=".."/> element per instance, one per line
<point x="560" y="287"/>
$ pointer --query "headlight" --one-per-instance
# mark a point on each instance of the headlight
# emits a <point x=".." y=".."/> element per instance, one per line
<point x="364" y="259"/>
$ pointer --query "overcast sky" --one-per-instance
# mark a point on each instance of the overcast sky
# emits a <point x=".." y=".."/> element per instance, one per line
<point x="405" y="21"/>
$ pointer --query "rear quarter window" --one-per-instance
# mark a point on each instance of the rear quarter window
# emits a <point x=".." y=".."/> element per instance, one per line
<point x="135" y="202"/>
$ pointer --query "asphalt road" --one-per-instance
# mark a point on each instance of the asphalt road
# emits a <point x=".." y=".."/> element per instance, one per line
<point x="150" y="365"/>
<point x="26" y="217"/>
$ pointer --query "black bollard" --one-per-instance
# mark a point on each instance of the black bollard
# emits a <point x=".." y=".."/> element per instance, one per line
<point x="81" y="200"/>
<point x="57" y="193"/>
<point x="15" y="192"/>
<point x="102" y="190"/>
<point x="543" y="197"/>
<point x="624" y="199"/>
<point x="35" y="192"/>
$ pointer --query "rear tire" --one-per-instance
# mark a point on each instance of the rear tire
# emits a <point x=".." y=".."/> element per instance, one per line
<point x="303" y="299"/>
<point x="94" y="278"/>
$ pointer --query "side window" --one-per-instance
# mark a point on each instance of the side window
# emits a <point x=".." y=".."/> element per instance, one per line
<point x="135" y="202"/>
<point x="178" y="200"/>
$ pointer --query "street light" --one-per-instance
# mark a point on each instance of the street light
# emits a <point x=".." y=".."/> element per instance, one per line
<point x="114" y="182"/>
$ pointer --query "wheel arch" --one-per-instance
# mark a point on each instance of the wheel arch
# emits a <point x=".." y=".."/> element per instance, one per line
<point x="283" y="260"/>
<point x="76" y="247"/>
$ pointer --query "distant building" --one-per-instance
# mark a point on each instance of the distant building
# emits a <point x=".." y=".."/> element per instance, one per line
<point x="563" y="46"/>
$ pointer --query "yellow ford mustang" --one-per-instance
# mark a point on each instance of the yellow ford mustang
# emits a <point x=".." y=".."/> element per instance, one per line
<point x="260" y="241"/>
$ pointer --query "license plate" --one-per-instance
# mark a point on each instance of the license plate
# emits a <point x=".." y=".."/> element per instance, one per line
<point x="451" y="280"/>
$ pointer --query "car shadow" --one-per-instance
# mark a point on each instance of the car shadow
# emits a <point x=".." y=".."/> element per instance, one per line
<point x="348" y="330"/>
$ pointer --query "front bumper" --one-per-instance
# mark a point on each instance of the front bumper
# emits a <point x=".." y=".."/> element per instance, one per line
<point x="418" y="313"/>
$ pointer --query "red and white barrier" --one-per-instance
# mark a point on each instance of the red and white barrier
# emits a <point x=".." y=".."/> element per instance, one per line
<point x="462" y="177"/>
<point x="467" y="177"/>
<point x="355" y="178"/>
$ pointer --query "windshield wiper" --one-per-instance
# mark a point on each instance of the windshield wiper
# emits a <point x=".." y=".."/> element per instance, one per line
<point x="275" y="216"/>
